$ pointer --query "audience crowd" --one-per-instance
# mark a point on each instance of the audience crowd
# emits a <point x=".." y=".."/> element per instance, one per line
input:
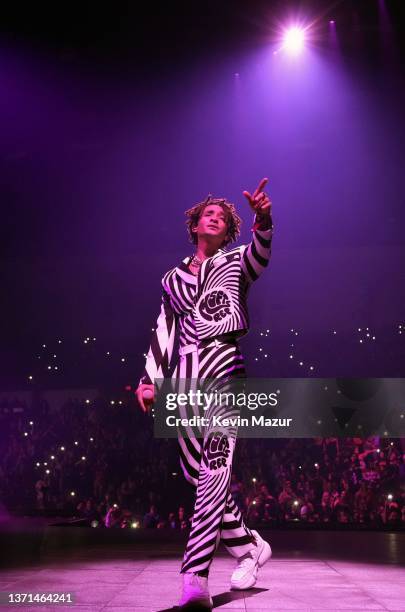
<point x="98" y="462"/>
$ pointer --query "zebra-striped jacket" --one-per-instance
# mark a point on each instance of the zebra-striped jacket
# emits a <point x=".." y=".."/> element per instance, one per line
<point x="208" y="305"/>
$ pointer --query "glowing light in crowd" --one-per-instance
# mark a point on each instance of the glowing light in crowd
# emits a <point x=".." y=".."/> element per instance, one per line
<point x="25" y="433"/>
<point x="37" y="464"/>
<point x="294" y="39"/>
<point x="91" y="439"/>
<point x="390" y="497"/>
<point x="135" y="525"/>
<point x="83" y="458"/>
<point x="87" y="401"/>
<point x="62" y="448"/>
<point x="253" y="479"/>
<point x="31" y="422"/>
<point x="76" y="443"/>
<point x="29" y="377"/>
<point x="47" y="471"/>
<point x="52" y="457"/>
<point x="94" y="524"/>
<point x="296" y="503"/>
<point x="72" y="493"/>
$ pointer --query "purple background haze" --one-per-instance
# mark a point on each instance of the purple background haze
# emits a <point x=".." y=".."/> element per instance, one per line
<point x="98" y="166"/>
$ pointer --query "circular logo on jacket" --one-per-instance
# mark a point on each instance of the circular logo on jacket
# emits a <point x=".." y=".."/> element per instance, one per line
<point x="215" y="306"/>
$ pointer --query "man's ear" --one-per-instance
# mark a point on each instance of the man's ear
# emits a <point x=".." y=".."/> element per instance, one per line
<point x="194" y="229"/>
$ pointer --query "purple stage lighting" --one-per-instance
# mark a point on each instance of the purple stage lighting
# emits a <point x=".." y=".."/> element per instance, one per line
<point x="294" y="39"/>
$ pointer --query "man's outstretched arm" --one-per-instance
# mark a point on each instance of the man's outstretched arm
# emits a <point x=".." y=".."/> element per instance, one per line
<point x="257" y="254"/>
<point x="160" y="351"/>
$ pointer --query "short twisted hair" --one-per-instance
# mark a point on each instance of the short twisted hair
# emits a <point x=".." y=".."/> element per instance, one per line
<point x="232" y="219"/>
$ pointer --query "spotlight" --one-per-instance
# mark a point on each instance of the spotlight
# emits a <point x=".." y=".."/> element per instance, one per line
<point x="294" y="39"/>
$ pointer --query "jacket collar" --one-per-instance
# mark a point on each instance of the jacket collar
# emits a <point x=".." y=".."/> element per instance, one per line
<point x="183" y="270"/>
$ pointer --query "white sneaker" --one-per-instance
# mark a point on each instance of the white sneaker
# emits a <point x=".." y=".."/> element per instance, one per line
<point x="195" y="593"/>
<point x="245" y="575"/>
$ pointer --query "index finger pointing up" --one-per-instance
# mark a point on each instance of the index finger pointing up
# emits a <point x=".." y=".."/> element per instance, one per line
<point x="261" y="186"/>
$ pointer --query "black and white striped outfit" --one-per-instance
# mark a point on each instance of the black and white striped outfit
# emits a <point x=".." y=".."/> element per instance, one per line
<point x="210" y="313"/>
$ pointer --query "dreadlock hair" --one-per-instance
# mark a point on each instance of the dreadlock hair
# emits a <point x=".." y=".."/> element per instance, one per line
<point x="232" y="218"/>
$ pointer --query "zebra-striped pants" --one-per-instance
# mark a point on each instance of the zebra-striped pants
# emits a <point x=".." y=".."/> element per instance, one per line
<point x="216" y="517"/>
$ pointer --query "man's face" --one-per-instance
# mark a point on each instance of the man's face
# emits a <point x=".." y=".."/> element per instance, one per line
<point x="212" y="224"/>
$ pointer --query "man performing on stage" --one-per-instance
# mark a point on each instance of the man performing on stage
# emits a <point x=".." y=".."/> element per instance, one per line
<point x="205" y="299"/>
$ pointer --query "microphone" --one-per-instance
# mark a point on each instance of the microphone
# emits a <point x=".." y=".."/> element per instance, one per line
<point x="147" y="396"/>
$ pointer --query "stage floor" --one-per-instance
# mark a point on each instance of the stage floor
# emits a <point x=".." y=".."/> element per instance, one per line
<point x="309" y="571"/>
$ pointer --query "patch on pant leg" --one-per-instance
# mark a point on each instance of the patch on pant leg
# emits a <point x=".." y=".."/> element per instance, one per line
<point x="218" y="451"/>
